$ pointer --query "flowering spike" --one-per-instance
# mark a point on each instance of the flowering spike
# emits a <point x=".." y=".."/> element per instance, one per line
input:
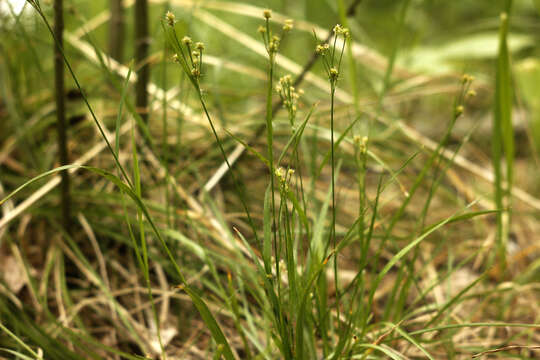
<point x="169" y="16"/>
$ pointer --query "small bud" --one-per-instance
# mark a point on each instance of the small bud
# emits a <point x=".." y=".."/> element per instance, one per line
<point x="321" y="49"/>
<point x="280" y="173"/>
<point x="199" y="46"/>
<point x="363" y="145"/>
<point x="267" y="14"/>
<point x="471" y="93"/>
<point x="334" y="73"/>
<point x="169" y="16"/>
<point x="288" y="25"/>
<point x="338" y="29"/>
<point x="195" y="72"/>
<point x="290" y="173"/>
<point x="467" y="79"/>
<point x="175" y="58"/>
<point x="274" y="44"/>
<point x="187" y="40"/>
<point x="261" y="29"/>
<point x="459" y="110"/>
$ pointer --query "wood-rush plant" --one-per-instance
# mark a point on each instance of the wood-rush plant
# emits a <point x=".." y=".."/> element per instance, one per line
<point x="332" y="56"/>
<point x="279" y="302"/>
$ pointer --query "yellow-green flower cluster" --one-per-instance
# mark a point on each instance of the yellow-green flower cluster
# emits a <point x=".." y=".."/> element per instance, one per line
<point x="465" y="94"/>
<point x="284" y="177"/>
<point x="272" y="41"/>
<point x="289" y="95"/>
<point x="187" y="54"/>
<point x="361" y="143"/>
<point x="170" y="18"/>
<point x="331" y="55"/>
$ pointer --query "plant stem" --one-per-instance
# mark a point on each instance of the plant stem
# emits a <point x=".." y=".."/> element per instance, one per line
<point x="61" y="112"/>
<point x="333" y="228"/>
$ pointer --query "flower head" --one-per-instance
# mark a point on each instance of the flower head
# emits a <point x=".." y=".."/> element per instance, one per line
<point x="459" y="110"/>
<point x="288" y="25"/>
<point x="267" y="13"/>
<point x="338" y="29"/>
<point x="321" y="49"/>
<point x="334" y="73"/>
<point x="187" y="40"/>
<point x="169" y="16"/>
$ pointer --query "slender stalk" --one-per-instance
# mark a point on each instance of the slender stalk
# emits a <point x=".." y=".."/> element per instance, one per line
<point x="269" y="141"/>
<point x="61" y="112"/>
<point x="141" y="55"/>
<point x="117" y="30"/>
<point x="333" y="185"/>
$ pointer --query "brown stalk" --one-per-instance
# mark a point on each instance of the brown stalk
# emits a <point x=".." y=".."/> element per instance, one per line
<point x="117" y="30"/>
<point x="59" y="88"/>
<point x="141" y="53"/>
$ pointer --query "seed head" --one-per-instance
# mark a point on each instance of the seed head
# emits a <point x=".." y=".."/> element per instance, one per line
<point x="199" y="46"/>
<point x="334" y="73"/>
<point x="169" y="16"/>
<point x="261" y="29"/>
<point x="288" y="25"/>
<point x="175" y="58"/>
<point x="321" y="49"/>
<point x="280" y="173"/>
<point x="195" y="72"/>
<point x="187" y="40"/>
<point x="459" y="110"/>
<point x="267" y="13"/>
<point x="285" y="80"/>
<point x="274" y="44"/>
<point x="471" y="93"/>
<point x="363" y="145"/>
<point x="290" y="173"/>
<point x="467" y="79"/>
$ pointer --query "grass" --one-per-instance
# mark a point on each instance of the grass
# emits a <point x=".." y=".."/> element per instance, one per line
<point x="362" y="221"/>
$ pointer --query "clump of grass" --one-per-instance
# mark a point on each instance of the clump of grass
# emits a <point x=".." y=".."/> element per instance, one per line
<point x="297" y="298"/>
<point x="273" y="288"/>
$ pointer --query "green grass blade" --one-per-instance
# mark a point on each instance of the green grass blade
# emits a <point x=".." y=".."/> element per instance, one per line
<point x="503" y="134"/>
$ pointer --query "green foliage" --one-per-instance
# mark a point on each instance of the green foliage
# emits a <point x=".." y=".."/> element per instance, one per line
<point x="357" y="225"/>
